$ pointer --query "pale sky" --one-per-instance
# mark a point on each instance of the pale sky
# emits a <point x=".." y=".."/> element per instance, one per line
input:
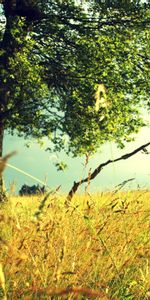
<point x="38" y="163"/>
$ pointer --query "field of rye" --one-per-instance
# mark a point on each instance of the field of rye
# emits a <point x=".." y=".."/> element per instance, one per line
<point x="98" y="247"/>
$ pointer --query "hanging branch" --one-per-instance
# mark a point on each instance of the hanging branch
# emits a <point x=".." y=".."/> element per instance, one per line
<point x="76" y="185"/>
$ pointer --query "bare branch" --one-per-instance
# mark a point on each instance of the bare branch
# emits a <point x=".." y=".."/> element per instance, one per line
<point x="76" y="185"/>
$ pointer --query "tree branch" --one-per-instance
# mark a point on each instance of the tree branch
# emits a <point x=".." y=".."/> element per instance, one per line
<point x="76" y="185"/>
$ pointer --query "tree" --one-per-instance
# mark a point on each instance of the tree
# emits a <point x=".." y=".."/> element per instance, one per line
<point x="27" y="190"/>
<point x="75" y="69"/>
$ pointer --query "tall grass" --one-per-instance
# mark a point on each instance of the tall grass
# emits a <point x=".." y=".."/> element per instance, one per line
<point x="98" y="247"/>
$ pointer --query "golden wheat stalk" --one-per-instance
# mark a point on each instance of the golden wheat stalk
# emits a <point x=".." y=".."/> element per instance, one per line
<point x="78" y="291"/>
<point x="2" y="282"/>
<point x="3" y="161"/>
<point x="27" y="174"/>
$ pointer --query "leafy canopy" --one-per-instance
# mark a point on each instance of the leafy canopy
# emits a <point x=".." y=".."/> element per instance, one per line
<point x="74" y="71"/>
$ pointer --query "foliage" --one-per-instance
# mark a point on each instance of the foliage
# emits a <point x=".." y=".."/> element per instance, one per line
<point x="31" y="190"/>
<point x="61" y="166"/>
<point x="105" y="234"/>
<point x="55" y="55"/>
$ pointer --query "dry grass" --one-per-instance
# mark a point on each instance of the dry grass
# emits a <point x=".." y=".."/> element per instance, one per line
<point x="97" y="248"/>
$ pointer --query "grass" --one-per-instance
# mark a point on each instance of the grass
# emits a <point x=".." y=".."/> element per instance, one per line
<point x="97" y="248"/>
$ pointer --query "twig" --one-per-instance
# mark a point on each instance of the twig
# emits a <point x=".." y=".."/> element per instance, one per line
<point x="99" y="169"/>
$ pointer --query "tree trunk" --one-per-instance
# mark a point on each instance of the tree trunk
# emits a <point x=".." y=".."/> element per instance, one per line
<point x="3" y="196"/>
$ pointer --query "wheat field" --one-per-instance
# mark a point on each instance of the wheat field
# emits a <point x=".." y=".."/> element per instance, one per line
<point x="98" y="247"/>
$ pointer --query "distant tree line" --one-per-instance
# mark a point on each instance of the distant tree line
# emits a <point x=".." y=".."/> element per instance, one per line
<point x="32" y="190"/>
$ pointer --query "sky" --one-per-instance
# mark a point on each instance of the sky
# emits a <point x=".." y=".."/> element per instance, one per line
<point x="40" y="164"/>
